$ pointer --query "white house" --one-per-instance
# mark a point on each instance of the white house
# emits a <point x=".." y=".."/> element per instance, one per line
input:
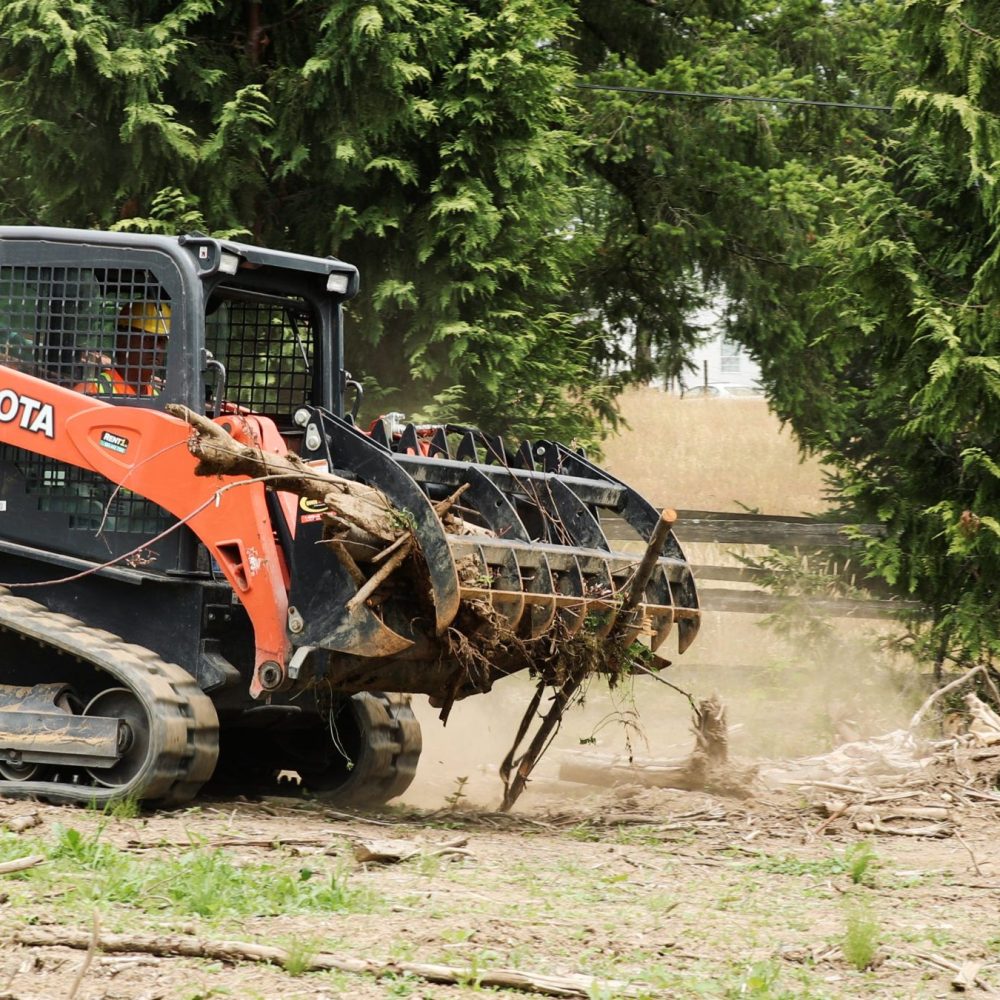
<point x="721" y="362"/>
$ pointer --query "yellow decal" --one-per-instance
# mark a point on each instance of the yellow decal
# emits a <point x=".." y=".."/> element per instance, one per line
<point x="310" y="506"/>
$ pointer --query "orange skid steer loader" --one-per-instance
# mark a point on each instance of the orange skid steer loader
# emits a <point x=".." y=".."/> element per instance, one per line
<point x="164" y="619"/>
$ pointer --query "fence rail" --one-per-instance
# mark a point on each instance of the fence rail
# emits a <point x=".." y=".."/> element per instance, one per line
<point x="718" y="527"/>
<point x="757" y="529"/>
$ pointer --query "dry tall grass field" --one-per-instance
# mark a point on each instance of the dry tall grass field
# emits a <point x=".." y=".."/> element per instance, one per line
<point x="712" y="454"/>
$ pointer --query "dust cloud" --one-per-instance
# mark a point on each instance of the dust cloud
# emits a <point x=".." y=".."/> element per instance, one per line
<point x="785" y="698"/>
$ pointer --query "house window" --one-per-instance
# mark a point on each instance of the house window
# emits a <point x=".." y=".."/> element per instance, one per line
<point x="731" y="357"/>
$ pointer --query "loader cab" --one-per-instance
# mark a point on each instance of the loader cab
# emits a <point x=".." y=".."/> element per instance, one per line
<point x="249" y="329"/>
<point x="273" y="334"/>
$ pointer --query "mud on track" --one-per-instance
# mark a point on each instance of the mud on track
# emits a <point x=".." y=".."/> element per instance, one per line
<point x="674" y="894"/>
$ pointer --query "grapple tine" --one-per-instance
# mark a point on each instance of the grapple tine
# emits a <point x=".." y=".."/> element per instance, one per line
<point x="540" y="616"/>
<point x="499" y="515"/>
<point x="495" y="450"/>
<point x="687" y="629"/>
<point x="507" y="578"/>
<point x="661" y="631"/>
<point x="570" y="583"/>
<point x="375" y="466"/>
<point x="380" y="434"/>
<point x="573" y="518"/>
<point x="409" y="443"/>
<point x="439" y="443"/>
<point x="467" y="448"/>
<point x="522" y="458"/>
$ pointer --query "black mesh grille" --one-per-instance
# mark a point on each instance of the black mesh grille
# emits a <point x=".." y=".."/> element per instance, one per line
<point x="98" y="330"/>
<point x="267" y="349"/>
<point x="90" y="502"/>
<point x="95" y="329"/>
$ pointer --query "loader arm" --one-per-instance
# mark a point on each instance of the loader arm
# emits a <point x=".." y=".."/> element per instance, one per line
<point x="146" y="451"/>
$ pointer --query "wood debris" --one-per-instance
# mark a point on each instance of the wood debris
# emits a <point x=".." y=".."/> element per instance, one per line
<point x="568" y="985"/>
<point x="18" y="824"/>
<point x="21" y="864"/>
<point x="985" y="725"/>
<point x="965" y="972"/>
<point x="706" y="768"/>
<point x="389" y="852"/>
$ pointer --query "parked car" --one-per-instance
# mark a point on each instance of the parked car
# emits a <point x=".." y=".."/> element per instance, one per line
<point x="722" y="390"/>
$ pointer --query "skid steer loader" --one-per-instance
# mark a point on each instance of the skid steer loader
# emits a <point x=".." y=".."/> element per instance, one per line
<point x="156" y="608"/>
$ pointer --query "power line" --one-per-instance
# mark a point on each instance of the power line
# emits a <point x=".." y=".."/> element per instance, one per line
<point x="795" y="101"/>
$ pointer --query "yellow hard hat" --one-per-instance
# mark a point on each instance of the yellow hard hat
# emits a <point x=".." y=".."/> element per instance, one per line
<point x="152" y="317"/>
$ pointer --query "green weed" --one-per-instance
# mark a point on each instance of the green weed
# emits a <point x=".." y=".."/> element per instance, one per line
<point x="299" y="955"/>
<point x="126" y="808"/>
<point x="401" y="984"/>
<point x="858" y="862"/>
<point x="453" y="800"/>
<point x="641" y="834"/>
<point x="84" y="850"/>
<point x="861" y="936"/>
<point x="788" y="865"/>
<point x="860" y="859"/>
<point x="760" y="980"/>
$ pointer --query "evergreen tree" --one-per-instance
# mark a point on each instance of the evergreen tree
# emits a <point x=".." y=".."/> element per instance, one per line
<point x="691" y="200"/>
<point x="426" y="141"/>
<point x="897" y="384"/>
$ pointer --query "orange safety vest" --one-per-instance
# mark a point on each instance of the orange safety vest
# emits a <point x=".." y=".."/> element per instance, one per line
<point x="110" y="383"/>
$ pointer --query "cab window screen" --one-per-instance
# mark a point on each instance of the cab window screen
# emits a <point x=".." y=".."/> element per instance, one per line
<point x="267" y="348"/>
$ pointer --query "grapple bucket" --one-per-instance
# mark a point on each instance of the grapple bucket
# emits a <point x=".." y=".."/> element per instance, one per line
<point x="522" y="534"/>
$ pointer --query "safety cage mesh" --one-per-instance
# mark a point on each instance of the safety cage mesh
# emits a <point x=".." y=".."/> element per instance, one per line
<point x="100" y="331"/>
<point x="267" y="346"/>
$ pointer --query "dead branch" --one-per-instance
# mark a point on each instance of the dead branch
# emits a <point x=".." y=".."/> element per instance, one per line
<point x="668" y="518"/>
<point x="931" y="830"/>
<point x="218" y="453"/>
<point x="965" y="969"/>
<point x="380" y="575"/>
<point x="442" y="507"/>
<point x="20" y="864"/>
<point x="572" y="985"/>
<point x="88" y="958"/>
<point x="957" y="683"/>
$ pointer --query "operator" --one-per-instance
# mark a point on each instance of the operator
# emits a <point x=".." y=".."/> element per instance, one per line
<point x="140" y="353"/>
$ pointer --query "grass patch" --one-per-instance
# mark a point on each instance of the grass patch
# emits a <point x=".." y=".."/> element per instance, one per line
<point x="861" y="860"/>
<point x="862" y="935"/>
<point x="300" y="953"/>
<point x="88" y="871"/>
<point x="857" y="862"/>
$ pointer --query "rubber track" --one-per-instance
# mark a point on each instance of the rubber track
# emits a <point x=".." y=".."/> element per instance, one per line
<point x="385" y="766"/>
<point x="183" y="725"/>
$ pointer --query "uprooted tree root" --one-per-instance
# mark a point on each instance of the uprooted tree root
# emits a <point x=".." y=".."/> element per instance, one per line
<point x="706" y="769"/>
<point x="560" y="659"/>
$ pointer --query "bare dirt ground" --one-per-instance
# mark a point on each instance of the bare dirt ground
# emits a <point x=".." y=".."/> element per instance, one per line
<point x="789" y="892"/>
<point x="650" y="892"/>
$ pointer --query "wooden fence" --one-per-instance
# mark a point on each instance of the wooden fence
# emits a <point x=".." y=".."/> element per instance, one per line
<point x="701" y="526"/>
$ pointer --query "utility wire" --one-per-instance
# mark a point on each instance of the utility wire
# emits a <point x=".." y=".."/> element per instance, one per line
<point x="795" y="101"/>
